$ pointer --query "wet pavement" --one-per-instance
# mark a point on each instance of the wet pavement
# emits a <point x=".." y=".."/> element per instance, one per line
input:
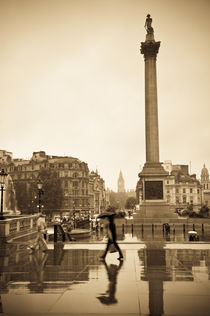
<point x="155" y="278"/>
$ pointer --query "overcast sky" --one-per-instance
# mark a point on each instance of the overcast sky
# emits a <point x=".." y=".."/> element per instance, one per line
<point x="72" y="82"/>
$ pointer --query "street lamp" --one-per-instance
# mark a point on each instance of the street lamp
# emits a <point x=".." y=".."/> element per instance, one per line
<point x="74" y="211"/>
<point x="88" y="204"/>
<point x="40" y="192"/>
<point x="3" y="176"/>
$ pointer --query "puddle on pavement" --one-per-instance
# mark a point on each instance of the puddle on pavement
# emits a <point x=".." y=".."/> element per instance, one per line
<point x="65" y="276"/>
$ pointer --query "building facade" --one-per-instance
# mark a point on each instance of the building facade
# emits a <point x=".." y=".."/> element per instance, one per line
<point x="74" y="175"/>
<point x="182" y="188"/>
<point x="97" y="193"/>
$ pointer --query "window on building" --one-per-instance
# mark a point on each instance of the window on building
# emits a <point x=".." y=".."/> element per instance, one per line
<point x="66" y="184"/>
<point x="168" y="191"/>
<point x="191" y="190"/>
<point x="184" y="199"/>
<point x="167" y="182"/>
<point x="75" y="175"/>
<point x="184" y="190"/>
<point x="207" y="186"/>
<point x="75" y="184"/>
<point x="191" y="200"/>
<point x="198" y="191"/>
<point x="177" y="190"/>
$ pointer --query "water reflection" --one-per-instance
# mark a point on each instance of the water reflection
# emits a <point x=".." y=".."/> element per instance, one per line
<point x="155" y="272"/>
<point x="44" y="272"/>
<point x="38" y="262"/>
<point x="166" y="265"/>
<point x="156" y="276"/>
<point x="112" y="270"/>
<point x="58" y="253"/>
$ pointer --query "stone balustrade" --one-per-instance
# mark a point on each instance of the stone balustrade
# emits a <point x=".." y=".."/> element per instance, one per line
<point x="16" y="227"/>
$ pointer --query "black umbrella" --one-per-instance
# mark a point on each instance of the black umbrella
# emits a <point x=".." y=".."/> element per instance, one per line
<point x="106" y="214"/>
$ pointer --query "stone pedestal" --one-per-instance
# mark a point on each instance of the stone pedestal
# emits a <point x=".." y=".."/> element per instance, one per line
<point x="153" y="202"/>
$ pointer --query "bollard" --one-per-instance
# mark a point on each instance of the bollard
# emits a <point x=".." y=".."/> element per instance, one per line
<point x="55" y="233"/>
<point x="174" y="230"/>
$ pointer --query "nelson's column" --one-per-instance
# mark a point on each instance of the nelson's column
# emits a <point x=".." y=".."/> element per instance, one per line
<point x="151" y="185"/>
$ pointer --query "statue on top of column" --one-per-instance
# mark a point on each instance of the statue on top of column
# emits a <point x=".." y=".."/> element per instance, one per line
<point x="148" y="26"/>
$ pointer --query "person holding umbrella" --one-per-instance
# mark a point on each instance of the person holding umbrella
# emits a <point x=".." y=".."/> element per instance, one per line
<point x="112" y="236"/>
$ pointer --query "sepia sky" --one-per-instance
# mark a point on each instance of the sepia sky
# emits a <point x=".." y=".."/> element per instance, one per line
<point x="72" y="82"/>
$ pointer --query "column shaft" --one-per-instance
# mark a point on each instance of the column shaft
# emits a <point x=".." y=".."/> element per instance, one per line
<point x="151" y="111"/>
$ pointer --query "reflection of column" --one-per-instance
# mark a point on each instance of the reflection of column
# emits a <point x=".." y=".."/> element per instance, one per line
<point x="154" y="258"/>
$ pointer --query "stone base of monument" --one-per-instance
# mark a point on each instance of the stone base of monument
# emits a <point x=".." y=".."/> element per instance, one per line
<point x="155" y="210"/>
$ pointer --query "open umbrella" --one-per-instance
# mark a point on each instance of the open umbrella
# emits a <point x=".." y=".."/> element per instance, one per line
<point x="192" y="232"/>
<point x="106" y="214"/>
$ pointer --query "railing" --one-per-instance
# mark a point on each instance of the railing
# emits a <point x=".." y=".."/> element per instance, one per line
<point x="15" y="227"/>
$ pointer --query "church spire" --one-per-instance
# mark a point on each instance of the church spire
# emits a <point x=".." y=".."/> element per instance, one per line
<point x="121" y="183"/>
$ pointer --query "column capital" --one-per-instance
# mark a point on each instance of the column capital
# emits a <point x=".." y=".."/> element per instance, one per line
<point x="149" y="49"/>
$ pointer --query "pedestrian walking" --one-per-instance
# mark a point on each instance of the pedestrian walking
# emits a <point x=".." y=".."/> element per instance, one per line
<point x="112" y="236"/>
<point x="40" y="242"/>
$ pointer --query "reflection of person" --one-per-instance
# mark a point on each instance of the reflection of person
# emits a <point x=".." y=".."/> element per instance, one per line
<point x="148" y="25"/>
<point x="38" y="261"/>
<point x="112" y="272"/>
<point x="58" y="252"/>
<point x="112" y="236"/>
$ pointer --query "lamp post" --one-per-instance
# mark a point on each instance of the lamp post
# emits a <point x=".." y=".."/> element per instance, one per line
<point x="40" y="192"/>
<point x="3" y="176"/>
<point x="74" y="214"/>
<point x="88" y="204"/>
